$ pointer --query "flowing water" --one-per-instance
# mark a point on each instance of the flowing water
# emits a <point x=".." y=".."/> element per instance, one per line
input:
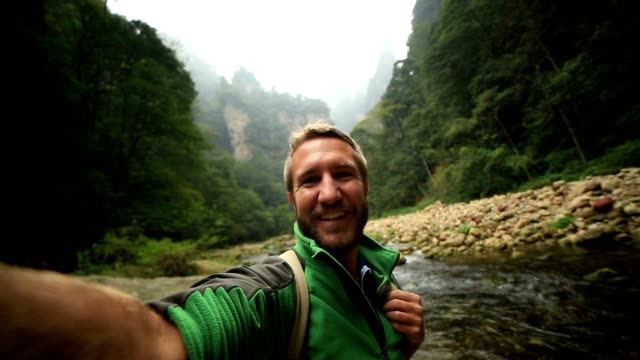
<point x="538" y="306"/>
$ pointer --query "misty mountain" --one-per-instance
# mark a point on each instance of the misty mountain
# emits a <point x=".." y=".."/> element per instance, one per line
<point x="349" y="110"/>
<point x="244" y="119"/>
<point x="241" y="117"/>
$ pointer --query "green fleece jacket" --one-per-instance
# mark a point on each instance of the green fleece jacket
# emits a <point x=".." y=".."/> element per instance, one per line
<point x="346" y="320"/>
<point x="248" y="312"/>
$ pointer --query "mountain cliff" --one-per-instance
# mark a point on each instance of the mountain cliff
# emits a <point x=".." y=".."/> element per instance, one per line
<point x="244" y="119"/>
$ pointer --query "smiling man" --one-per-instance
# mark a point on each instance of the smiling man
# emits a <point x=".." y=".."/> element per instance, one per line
<point x="356" y="309"/>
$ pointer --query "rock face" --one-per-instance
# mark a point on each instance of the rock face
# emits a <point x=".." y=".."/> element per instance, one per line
<point x="600" y="211"/>
<point x="236" y="120"/>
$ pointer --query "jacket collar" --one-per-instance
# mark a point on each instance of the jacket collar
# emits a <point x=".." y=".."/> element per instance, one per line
<point x="377" y="256"/>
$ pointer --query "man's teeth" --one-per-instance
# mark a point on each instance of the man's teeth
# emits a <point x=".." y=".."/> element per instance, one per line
<point x="332" y="216"/>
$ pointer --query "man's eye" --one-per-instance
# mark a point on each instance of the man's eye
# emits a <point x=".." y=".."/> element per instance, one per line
<point x="343" y="175"/>
<point x="310" y="180"/>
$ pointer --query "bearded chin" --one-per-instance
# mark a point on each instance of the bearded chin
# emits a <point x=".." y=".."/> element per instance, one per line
<point x="344" y="245"/>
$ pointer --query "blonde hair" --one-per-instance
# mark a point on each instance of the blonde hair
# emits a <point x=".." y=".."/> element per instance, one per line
<point x="320" y="130"/>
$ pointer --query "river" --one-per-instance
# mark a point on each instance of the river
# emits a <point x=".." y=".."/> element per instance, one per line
<point x="539" y="306"/>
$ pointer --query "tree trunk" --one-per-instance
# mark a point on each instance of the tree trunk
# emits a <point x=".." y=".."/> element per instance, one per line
<point x="513" y="145"/>
<point x="573" y="136"/>
<point x="562" y="114"/>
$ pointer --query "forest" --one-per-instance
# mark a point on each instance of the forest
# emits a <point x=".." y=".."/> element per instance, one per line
<point x="496" y="96"/>
<point x="118" y="153"/>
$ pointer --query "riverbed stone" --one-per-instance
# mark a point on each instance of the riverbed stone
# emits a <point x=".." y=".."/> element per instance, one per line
<point x="584" y="212"/>
<point x="604" y="204"/>
<point x="558" y="185"/>
<point x="631" y="209"/>
<point x="580" y="202"/>
<point x="608" y="185"/>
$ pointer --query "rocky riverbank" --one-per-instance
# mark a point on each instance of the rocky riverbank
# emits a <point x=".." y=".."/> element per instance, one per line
<point x="599" y="211"/>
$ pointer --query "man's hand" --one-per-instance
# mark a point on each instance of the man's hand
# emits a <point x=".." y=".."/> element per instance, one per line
<point x="404" y="311"/>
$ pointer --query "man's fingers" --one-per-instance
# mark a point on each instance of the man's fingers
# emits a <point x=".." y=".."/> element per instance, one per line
<point x="403" y="306"/>
<point x="404" y="317"/>
<point x="404" y="296"/>
<point x="403" y="301"/>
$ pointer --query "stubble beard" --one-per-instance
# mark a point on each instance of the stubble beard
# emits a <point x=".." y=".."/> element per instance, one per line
<point x="343" y="245"/>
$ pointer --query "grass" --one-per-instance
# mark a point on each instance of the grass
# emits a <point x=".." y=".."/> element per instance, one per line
<point x="563" y="222"/>
<point x="464" y="229"/>
<point x="614" y="160"/>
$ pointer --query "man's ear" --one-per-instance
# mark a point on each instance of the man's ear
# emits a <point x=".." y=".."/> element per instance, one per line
<point x="292" y="200"/>
<point x="366" y="187"/>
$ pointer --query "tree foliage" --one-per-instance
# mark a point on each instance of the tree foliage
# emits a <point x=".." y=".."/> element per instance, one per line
<point x="113" y="140"/>
<point x="496" y="93"/>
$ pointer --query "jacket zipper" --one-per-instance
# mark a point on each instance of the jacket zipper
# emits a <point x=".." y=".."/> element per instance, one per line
<point x="380" y="329"/>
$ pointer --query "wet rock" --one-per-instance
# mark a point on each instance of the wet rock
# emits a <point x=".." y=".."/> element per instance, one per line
<point x="601" y="274"/>
<point x="622" y="238"/>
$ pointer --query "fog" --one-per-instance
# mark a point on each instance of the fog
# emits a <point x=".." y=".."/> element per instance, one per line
<point x="318" y="49"/>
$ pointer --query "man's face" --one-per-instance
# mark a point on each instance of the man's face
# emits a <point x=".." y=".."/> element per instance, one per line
<point x="329" y="194"/>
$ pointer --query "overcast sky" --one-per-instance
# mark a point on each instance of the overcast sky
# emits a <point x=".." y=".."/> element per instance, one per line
<point x="319" y="49"/>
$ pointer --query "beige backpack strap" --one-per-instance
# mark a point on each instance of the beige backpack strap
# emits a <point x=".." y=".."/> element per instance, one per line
<point x="302" y="305"/>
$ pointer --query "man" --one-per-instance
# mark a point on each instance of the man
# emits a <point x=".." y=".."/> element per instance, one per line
<point x="326" y="178"/>
<point x="356" y="311"/>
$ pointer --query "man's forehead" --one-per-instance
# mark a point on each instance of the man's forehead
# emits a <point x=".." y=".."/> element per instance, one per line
<point x="323" y="144"/>
<point x="331" y="149"/>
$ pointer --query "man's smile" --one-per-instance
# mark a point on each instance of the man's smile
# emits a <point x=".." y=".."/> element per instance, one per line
<point x="332" y="216"/>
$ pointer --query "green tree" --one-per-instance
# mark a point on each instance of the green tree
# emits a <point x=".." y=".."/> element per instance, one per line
<point x="114" y="143"/>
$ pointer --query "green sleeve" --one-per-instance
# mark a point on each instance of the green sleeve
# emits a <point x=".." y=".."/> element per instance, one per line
<point x="244" y="313"/>
<point x="221" y="325"/>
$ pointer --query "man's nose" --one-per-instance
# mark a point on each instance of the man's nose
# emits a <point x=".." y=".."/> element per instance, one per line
<point x="329" y="191"/>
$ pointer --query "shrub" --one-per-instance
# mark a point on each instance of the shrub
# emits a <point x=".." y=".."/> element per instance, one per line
<point x="114" y="250"/>
<point x="127" y="252"/>
<point x="175" y="264"/>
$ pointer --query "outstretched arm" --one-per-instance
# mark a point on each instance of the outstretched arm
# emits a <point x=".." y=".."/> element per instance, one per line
<point x="49" y="315"/>
<point x="404" y="311"/>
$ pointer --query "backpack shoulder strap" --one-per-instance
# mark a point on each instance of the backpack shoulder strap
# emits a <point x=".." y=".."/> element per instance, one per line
<point x="302" y="304"/>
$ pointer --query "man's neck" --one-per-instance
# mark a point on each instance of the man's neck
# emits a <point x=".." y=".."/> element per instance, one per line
<point x="349" y="260"/>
